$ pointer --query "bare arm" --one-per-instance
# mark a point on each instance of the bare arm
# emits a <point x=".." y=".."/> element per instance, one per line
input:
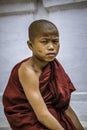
<point x="74" y="118"/>
<point x="30" y="83"/>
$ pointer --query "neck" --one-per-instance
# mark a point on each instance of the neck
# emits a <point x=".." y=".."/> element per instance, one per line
<point x="37" y="64"/>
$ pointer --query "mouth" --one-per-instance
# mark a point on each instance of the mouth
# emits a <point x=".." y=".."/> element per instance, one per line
<point x="51" y="54"/>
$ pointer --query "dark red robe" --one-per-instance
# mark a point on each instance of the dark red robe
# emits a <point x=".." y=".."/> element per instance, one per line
<point x="55" y="87"/>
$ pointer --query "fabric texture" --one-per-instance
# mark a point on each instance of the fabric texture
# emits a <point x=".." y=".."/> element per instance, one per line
<point x="55" y="87"/>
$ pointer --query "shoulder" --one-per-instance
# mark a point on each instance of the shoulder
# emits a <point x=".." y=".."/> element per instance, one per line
<point x="25" y="68"/>
<point x="14" y="71"/>
<point x="26" y="73"/>
<point x="17" y="66"/>
<point x="28" y="78"/>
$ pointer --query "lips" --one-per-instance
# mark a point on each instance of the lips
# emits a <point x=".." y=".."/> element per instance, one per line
<point x="51" y="54"/>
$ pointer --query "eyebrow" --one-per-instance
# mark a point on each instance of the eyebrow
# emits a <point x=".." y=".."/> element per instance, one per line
<point x="45" y="37"/>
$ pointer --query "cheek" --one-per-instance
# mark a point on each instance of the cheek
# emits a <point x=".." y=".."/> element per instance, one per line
<point x="58" y="47"/>
<point x="40" y="51"/>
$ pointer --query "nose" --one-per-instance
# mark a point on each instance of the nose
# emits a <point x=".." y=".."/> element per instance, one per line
<point x="50" y="46"/>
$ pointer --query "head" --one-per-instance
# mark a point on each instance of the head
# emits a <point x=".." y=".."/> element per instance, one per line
<point x="43" y="38"/>
<point x="40" y="26"/>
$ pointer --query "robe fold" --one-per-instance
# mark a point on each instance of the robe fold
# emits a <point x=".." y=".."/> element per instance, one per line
<point x="55" y="87"/>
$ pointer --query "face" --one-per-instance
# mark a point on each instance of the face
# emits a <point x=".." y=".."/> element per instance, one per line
<point x="46" y="45"/>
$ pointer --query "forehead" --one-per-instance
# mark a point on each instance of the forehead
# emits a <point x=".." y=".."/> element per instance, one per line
<point x="46" y="32"/>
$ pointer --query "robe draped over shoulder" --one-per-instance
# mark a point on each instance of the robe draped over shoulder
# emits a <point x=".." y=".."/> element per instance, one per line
<point x="55" y="87"/>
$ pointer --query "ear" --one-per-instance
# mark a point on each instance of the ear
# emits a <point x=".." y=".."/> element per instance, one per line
<point x="30" y="45"/>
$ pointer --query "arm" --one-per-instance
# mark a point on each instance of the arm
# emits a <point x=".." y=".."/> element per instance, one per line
<point x="34" y="97"/>
<point x="74" y="118"/>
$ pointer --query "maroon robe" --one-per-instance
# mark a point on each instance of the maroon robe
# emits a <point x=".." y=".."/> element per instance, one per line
<point x="55" y="87"/>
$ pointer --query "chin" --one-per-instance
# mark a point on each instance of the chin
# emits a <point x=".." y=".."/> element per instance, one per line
<point x="49" y="60"/>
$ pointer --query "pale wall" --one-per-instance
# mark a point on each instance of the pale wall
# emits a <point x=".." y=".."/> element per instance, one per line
<point x="71" y="20"/>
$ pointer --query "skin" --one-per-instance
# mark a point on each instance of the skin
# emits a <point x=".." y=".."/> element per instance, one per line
<point x="45" y="47"/>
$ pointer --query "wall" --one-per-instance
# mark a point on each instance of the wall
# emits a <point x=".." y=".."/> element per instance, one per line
<point x="70" y="18"/>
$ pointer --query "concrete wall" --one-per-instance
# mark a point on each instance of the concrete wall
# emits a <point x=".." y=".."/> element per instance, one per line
<point x="71" y="19"/>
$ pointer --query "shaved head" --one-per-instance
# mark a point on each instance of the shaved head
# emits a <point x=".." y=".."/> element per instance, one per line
<point x="40" y="27"/>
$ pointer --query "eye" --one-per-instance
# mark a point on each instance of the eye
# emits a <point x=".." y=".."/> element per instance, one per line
<point x="44" y="41"/>
<point x="55" y="41"/>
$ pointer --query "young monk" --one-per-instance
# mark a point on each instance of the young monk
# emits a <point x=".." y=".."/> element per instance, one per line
<point x="37" y="96"/>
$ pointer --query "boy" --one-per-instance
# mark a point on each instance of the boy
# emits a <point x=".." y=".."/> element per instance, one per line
<point x="38" y="92"/>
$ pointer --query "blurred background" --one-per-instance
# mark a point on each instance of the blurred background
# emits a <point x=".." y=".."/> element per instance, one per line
<point x="70" y="17"/>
